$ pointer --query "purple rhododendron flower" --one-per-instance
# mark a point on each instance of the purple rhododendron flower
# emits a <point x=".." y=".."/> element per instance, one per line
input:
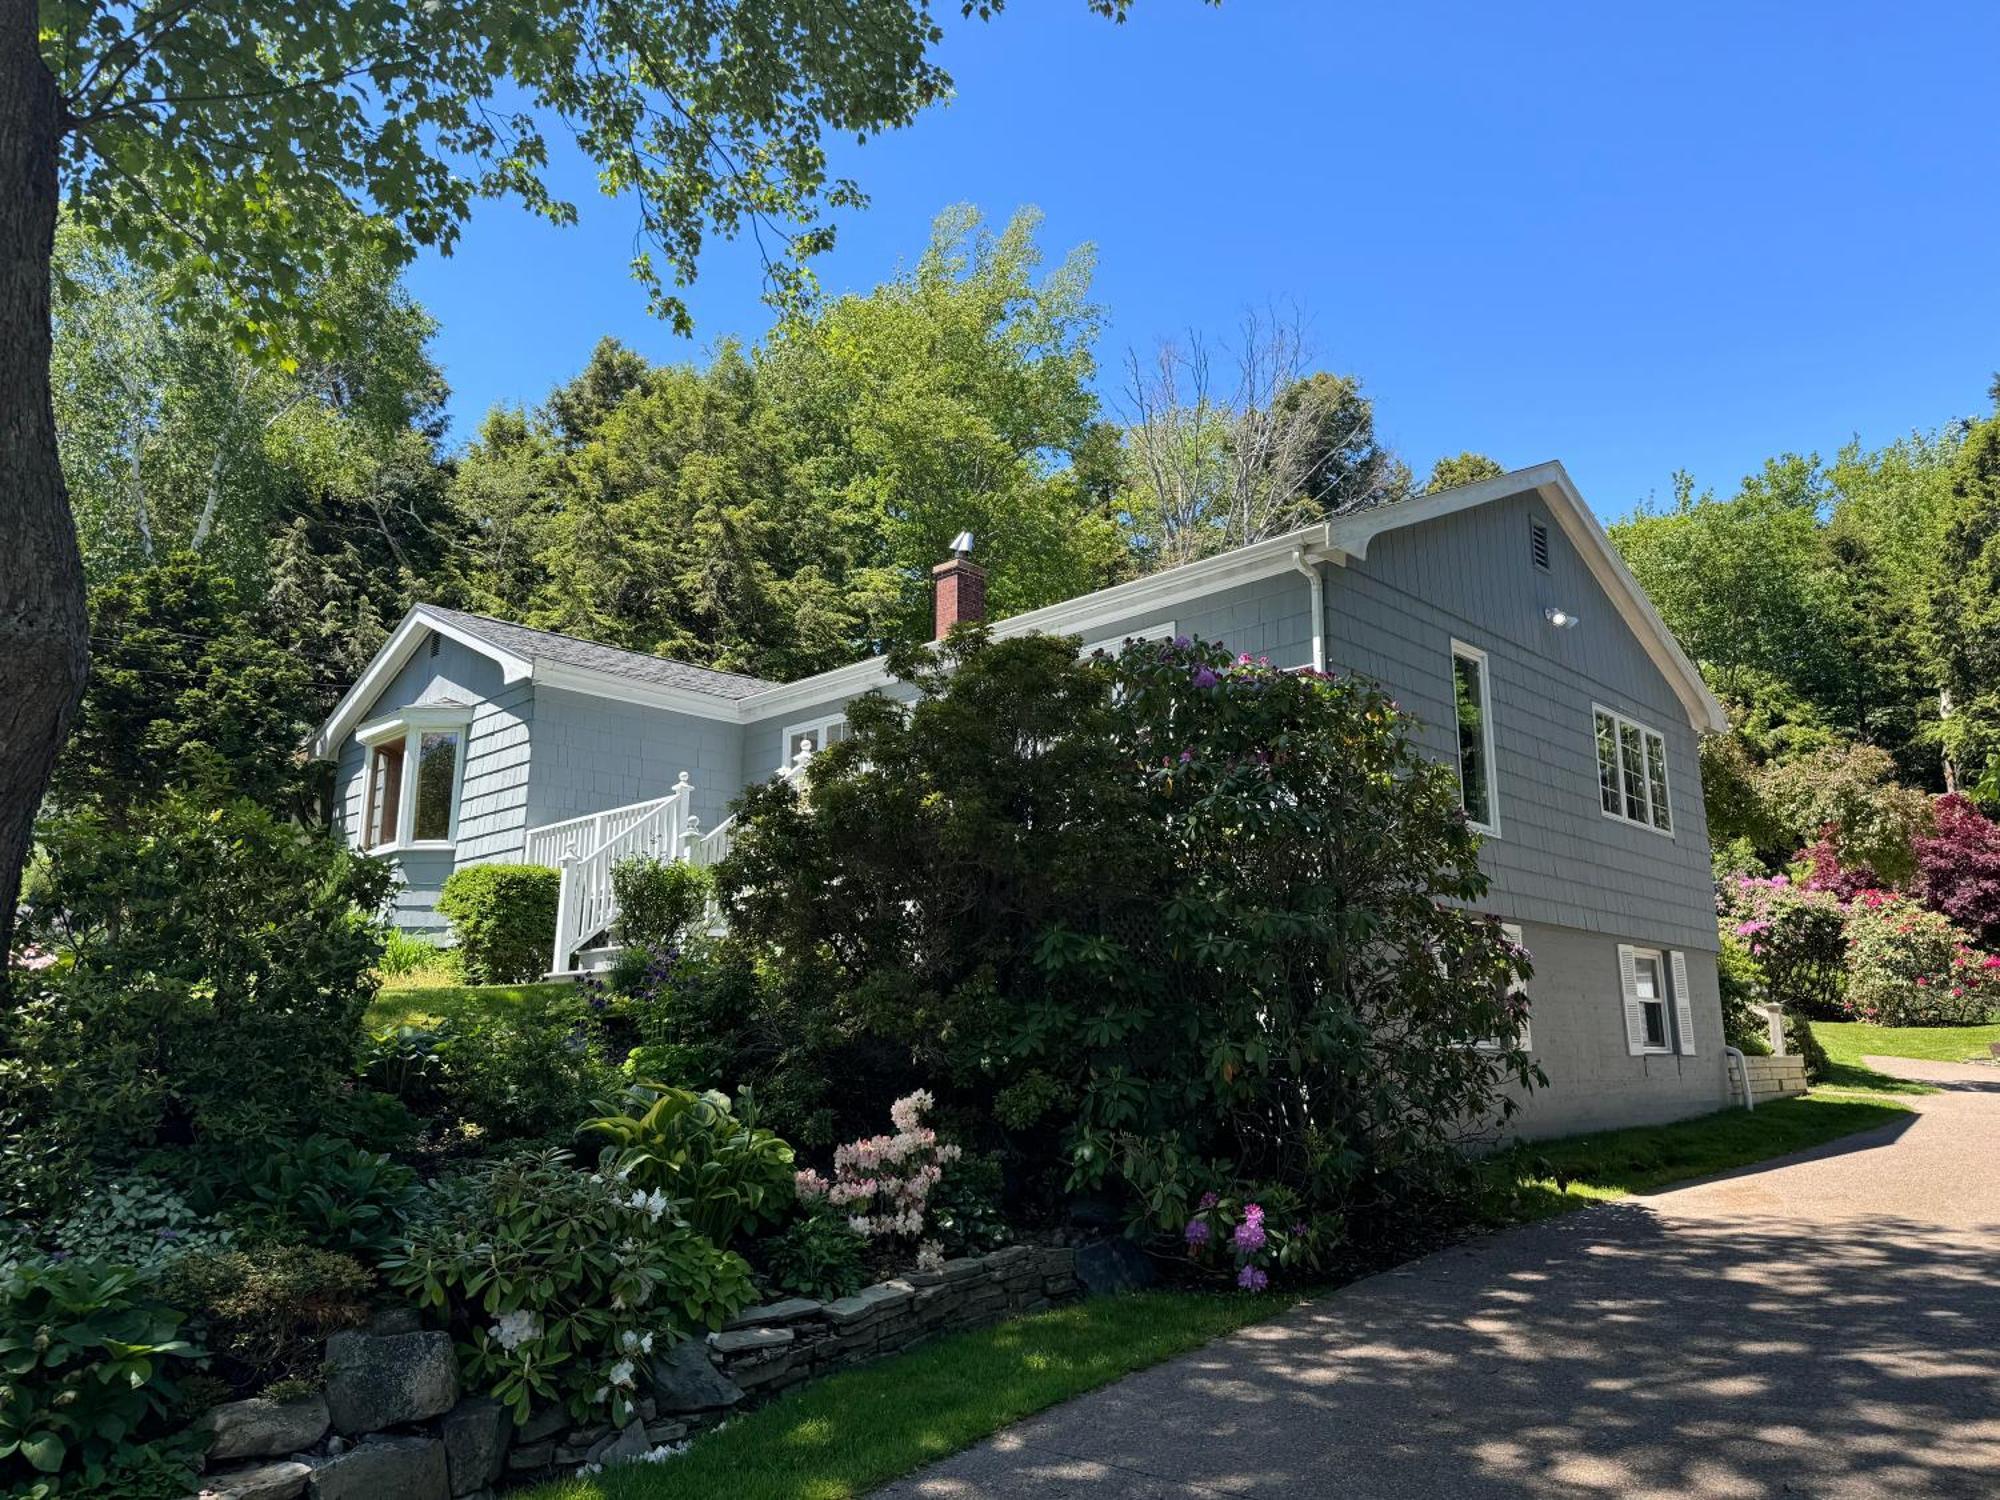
<point x="1197" y="1231"/>
<point x="1208" y="1200"/>
<point x="1203" y="678"/>
<point x="1252" y="1279"/>
<point x="1249" y="1236"/>
<point x="1186" y="756"/>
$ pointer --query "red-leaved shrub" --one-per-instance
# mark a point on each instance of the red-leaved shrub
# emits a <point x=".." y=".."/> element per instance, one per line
<point x="1958" y="868"/>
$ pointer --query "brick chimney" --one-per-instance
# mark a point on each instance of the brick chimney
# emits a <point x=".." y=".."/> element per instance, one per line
<point x="958" y="586"/>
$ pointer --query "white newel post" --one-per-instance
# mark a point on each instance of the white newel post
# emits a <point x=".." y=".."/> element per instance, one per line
<point x="566" y="897"/>
<point x="1775" y="1019"/>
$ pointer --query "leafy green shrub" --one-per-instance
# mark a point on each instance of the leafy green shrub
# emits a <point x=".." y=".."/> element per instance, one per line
<point x="504" y="920"/>
<point x="1225" y="915"/>
<point x="817" y="1256"/>
<point x="558" y="1284"/>
<point x="404" y="953"/>
<point x="659" y="901"/>
<point x="1907" y="966"/>
<point x="529" y="1073"/>
<point x="723" y="1173"/>
<point x="965" y="1208"/>
<point x="329" y="1193"/>
<point x="215" y="964"/>
<point x="138" y="1222"/>
<point x="1797" y="935"/>
<point x="1744" y="1025"/>
<point x="265" y="1312"/>
<point x="91" y="1359"/>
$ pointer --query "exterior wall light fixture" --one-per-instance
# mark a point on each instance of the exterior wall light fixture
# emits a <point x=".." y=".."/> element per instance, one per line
<point x="1562" y="619"/>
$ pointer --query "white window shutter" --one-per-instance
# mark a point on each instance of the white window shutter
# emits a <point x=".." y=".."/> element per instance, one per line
<point x="1513" y="935"/>
<point x="1683" y="1004"/>
<point x="1635" y="1013"/>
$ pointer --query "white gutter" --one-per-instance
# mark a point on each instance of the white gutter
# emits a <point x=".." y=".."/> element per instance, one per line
<point x="1312" y="572"/>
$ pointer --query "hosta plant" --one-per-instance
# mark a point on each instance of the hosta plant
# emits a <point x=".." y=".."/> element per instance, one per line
<point x="89" y="1361"/>
<point x="559" y="1284"/>
<point x="723" y="1172"/>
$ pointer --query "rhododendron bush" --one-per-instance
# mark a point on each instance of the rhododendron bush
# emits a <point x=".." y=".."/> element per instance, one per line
<point x="882" y="1183"/>
<point x="1908" y="966"/>
<point x="1151" y="923"/>
<point x="1797" y="936"/>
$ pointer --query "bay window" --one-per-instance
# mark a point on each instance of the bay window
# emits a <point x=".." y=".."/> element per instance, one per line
<point x="411" y="778"/>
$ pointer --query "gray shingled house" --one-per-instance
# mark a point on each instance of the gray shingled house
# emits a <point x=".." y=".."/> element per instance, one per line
<point x="1498" y="613"/>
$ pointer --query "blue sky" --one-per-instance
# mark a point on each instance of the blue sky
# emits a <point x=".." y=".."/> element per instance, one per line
<point x="1634" y="238"/>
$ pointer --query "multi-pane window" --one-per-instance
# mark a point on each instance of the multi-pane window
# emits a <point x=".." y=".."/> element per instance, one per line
<point x="411" y="780"/>
<point x="815" y="735"/>
<point x="1632" y="772"/>
<point x="1659" y="1008"/>
<point x="1472" y="704"/>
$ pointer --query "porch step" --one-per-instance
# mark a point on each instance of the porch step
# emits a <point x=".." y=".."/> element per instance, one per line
<point x="588" y="961"/>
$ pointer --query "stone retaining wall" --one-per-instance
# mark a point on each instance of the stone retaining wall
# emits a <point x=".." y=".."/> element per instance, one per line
<point x="1770" y="1078"/>
<point x="392" y="1423"/>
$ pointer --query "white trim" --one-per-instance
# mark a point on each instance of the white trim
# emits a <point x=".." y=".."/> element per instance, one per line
<point x="1636" y="1042"/>
<point x="410" y="725"/>
<point x="573" y="679"/>
<point x="1677" y="966"/>
<point x="1352" y="534"/>
<point x="788" y="743"/>
<point x="1619" y="724"/>
<point x="388" y="661"/>
<point x="850" y="681"/>
<point x="1460" y="650"/>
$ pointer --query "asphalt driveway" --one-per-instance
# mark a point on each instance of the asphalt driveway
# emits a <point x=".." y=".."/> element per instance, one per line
<point x="1828" y="1326"/>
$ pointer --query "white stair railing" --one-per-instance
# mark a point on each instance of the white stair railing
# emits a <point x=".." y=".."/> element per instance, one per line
<point x="548" y="844"/>
<point x="586" y="904"/>
<point x="711" y="847"/>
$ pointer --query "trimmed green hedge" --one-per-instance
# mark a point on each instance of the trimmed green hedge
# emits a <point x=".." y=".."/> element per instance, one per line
<point x="504" y="917"/>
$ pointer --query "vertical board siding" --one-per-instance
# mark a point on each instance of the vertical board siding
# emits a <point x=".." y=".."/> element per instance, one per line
<point x="1557" y="859"/>
<point x="593" y="753"/>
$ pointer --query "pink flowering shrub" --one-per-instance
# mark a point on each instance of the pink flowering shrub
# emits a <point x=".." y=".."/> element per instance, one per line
<point x="1249" y="1236"/>
<point x="1797" y="935"/>
<point x="882" y="1183"/>
<point x="1908" y="966"/>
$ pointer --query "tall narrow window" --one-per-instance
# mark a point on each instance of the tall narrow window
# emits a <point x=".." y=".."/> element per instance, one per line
<point x="437" y="781"/>
<point x="1649" y="988"/>
<point x="385" y="794"/>
<point x="1473" y="706"/>
<point x="1632" y="783"/>
<point x="1607" y="763"/>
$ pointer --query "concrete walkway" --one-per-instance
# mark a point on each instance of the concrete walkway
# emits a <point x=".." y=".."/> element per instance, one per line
<point x="1828" y="1326"/>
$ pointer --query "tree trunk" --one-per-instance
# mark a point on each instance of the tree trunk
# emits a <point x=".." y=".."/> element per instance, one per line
<point x="44" y="630"/>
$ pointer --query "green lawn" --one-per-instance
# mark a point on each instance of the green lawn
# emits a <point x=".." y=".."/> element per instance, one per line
<point x="1551" y="1177"/>
<point x="842" y="1436"/>
<point x="407" y="1005"/>
<point x="1847" y="1042"/>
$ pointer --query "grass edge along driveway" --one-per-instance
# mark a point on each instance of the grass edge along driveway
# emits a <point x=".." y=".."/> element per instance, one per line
<point x="840" y="1437"/>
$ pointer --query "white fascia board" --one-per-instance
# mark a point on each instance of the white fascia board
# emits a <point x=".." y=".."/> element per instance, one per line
<point x="824" y="688"/>
<point x="389" y="661"/>
<point x="1551" y="481"/>
<point x="1154" y="594"/>
<point x="574" y="679"/>
<point x="1164" y="591"/>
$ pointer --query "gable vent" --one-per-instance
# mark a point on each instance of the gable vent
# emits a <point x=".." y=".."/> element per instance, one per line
<point x="435" y="637"/>
<point x="1538" y="543"/>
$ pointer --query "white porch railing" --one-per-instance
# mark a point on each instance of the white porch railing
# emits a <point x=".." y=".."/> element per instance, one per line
<point x="586" y="849"/>
<point x="710" y="848"/>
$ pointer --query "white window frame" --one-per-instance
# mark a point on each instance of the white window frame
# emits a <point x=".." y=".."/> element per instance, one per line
<point x="1675" y="1002"/>
<point x="1462" y="651"/>
<point x="1619" y="724"/>
<point x="1162" y="630"/>
<point x="788" y="746"/>
<point x="408" y="728"/>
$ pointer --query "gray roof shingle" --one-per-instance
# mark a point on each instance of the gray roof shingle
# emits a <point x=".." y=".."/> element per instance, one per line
<point x="567" y="650"/>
